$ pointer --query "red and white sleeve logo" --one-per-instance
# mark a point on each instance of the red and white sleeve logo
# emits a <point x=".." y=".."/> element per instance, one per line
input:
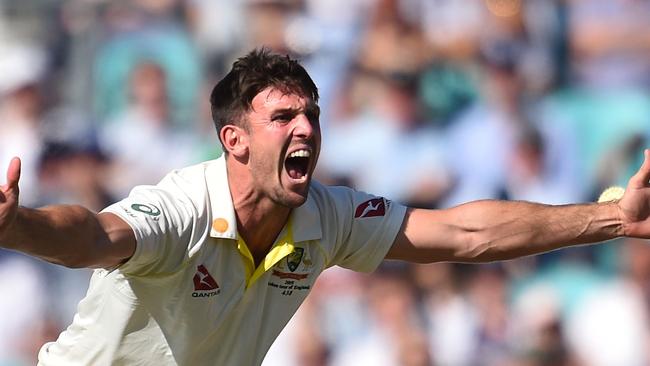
<point x="371" y="208"/>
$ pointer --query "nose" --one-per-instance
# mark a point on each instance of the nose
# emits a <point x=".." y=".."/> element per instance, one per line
<point x="304" y="128"/>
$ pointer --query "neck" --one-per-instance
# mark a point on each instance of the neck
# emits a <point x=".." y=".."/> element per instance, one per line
<point x="259" y="219"/>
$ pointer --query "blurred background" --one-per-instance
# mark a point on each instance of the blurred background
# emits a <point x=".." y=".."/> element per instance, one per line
<point x="428" y="102"/>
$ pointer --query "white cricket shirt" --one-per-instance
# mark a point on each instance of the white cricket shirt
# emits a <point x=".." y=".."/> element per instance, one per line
<point x="190" y="295"/>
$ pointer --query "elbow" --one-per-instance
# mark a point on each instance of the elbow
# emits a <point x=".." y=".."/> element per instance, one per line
<point x="476" y="247"/>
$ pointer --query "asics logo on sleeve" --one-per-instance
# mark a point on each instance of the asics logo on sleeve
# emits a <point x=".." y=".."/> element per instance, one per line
<point x="146" y="209"/>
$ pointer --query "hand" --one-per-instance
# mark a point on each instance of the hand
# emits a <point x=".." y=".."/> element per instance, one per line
<point x="634" y="206"/>
<point x="9" y="197"/>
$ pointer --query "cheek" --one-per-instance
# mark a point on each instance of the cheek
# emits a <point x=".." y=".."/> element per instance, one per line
<point x="267" y="145"/>
<point x="264" y="155"/>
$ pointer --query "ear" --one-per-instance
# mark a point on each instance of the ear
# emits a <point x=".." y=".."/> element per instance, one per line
<point x="235" y="140"/>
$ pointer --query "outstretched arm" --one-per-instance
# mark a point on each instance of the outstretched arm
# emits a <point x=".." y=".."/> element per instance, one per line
<point x="72" y="236"/>
<point x="485" y="231"/>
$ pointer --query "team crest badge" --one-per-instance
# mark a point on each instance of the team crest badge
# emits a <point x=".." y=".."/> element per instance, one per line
<point x="293" y="260"/>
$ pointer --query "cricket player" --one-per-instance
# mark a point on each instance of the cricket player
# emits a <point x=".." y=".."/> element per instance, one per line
<point x="207" y="266"/>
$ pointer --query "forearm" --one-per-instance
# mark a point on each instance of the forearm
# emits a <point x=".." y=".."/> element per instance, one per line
<point x="67" y="235"/>
<point x="484" y="231"/>
<point x="499" y="230"/>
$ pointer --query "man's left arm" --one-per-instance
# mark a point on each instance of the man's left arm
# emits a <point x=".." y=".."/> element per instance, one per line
<point x="485" y="231"/>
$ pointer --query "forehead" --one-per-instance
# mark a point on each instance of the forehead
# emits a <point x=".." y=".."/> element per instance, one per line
<point x="271" y="99"/>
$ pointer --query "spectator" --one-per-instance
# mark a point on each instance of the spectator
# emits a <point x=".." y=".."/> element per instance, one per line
<point x="21" y="108"/>
<point x="142" y="137"/>
<point x="388" y="134"/>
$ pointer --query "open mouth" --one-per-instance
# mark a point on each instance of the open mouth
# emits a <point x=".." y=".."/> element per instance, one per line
<point x="297" y="164"/>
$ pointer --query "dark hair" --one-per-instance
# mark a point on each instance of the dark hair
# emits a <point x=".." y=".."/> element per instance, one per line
<point x="231" y="98"/>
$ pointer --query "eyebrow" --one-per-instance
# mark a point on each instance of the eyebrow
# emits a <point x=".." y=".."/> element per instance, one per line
<point x="311" y="107"/>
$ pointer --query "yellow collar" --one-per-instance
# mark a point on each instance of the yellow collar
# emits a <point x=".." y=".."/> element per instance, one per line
<point x="281" y="248"/>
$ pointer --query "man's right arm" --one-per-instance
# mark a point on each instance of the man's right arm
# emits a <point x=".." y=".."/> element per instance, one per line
<point x="71" y="236"/>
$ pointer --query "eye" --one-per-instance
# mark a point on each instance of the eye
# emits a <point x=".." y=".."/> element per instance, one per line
<point x="282" y="118"/>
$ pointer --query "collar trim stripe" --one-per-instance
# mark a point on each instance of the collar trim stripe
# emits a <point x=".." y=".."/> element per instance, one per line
<point x="281" y="249"/>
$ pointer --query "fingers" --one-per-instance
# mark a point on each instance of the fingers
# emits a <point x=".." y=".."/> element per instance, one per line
<point x="13" y="174"/>
<point x="642" y="177"/>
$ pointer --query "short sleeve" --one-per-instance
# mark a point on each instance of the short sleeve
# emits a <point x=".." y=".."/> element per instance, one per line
<point x="367" y="227"/>
<point x="163" y="224"/>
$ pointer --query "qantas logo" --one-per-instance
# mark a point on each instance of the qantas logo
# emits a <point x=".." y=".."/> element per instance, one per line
<point x="371" y="208"/>
<point x="204" y="283"/>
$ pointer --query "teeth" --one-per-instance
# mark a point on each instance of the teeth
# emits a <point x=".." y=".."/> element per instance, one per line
<point x="300" y="154"/>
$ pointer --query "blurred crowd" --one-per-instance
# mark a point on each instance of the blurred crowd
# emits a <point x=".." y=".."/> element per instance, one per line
<point x="428" y="102"/>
